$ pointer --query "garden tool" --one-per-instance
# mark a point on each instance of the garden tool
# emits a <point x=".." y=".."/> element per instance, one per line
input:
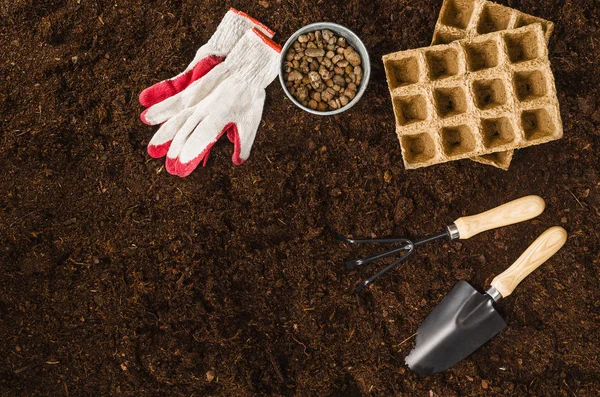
<point x="466" y="319"/>
<point x="232" y="27"/>
<point x="516" y="211"/>
<point x="229" y="99"/>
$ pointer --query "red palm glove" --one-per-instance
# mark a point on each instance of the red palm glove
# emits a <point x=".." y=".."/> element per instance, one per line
<point x="234" y="107"/>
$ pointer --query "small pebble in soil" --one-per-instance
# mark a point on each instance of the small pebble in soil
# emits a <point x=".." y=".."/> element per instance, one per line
<point x="322" y="71"/>
<point x="210" y="375"/>
<point x="387" y="176"/>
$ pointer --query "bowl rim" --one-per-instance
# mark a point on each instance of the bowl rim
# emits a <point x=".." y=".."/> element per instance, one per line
<point x="347" y="34"/>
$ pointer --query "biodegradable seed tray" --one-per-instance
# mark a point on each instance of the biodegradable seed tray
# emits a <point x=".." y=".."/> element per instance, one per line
<point x="461" y="19"/>
<point x="473" y="97"/>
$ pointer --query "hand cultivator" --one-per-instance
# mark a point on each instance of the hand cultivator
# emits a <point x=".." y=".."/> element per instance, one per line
<point x="463" y="228"/>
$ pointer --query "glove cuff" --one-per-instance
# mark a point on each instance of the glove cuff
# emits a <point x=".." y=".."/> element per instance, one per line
<point x="233" y="26"/>
<point x="255" y="60"/>
<point x="255" y="23"/>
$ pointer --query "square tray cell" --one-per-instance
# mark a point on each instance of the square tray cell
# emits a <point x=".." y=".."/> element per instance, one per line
<point x="458" y="13"/>
<point x="524" y="20"/>
<point x="489" y="93"/>
<point x="499" y="159"/>
<point x="401" y="72"/>
<point x="446" y="37"/>
<point x="497" y="132"/>
<point x="493" y="18"/>
<point x="481" y="55"/>
<point x="457" y="140"/>
<point x="450" y="101"/>
<point x="418" y="148"/>
<point x="411" y="109"/>
<point x="530" y="85"/>
<point x="537" y="124"/>
<point x="521" y="46"/>
<point x="442" y="63"/>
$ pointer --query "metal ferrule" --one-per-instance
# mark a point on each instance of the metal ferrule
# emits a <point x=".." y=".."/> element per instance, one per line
<point x="493" y="292"/>
<point x="453" y="232"/>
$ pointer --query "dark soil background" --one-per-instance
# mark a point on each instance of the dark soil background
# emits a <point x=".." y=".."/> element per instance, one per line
<point x="119" y="279"/>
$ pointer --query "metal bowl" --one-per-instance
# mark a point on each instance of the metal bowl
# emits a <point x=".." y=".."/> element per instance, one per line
<point x="353" y="40"/>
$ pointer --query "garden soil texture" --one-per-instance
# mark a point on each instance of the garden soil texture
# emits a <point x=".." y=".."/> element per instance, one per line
<point x="117" y="278"/>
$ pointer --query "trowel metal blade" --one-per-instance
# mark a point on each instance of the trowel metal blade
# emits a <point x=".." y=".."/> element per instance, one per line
<point x="463" y="321"/>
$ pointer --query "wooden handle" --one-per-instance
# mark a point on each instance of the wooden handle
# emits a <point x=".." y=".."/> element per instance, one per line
<point x="539" y="252"/>
<point x="516" y="211"/>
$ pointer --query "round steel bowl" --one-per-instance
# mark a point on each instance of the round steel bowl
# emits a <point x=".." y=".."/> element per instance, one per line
<point x="353" y="40"/>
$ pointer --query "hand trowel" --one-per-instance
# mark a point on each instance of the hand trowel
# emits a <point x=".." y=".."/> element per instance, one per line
<point x="466" y="319"/>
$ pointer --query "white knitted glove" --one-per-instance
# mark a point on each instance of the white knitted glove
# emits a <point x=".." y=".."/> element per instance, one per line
<point x="234" y="24"/>
<point x="234" y="106"/>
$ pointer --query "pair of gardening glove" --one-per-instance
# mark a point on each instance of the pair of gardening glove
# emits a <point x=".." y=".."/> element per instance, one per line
<point x="221" y="91"/>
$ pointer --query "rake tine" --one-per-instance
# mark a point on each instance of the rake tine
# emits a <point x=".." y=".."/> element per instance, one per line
<point x="353" y="264"/>
<point x="370" y="281"/>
